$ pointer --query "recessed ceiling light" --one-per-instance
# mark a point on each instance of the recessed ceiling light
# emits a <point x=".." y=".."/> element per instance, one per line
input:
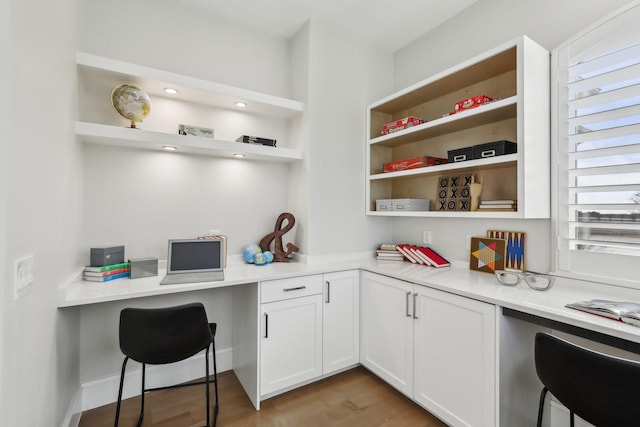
<point x="171" y="90"/>
<point x="239" y="155"/>
<point x="169" y="147"/>
<point x="241" y="104"/>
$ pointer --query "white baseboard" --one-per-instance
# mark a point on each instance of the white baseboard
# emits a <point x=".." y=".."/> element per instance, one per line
<point x="72" y="417"/>
<point x="104" y="391"/>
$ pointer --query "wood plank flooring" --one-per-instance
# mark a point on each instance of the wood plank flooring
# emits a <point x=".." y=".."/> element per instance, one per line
<point x="355" y="398"/>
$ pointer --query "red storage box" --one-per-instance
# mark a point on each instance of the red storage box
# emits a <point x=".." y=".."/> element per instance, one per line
<point x="413" y="163"/>
<point x="469" y="103"/>
<point x="401" y="124"/>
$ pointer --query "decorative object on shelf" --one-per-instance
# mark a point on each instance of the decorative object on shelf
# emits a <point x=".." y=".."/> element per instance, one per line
<point x="515" y="250"/>
<point x="487" y="255"/>
<point x="252" y="254"/>
<point x="247" y="139"/>
<point x="401" y="124"/>
<point x="195" y="131"/>
<point x="407" y="205"/>
<point x="413" y="163"/>
<point x="131" y="102"/>
<point x="475" y="189"/>
<point x="279" y="253"/>
<point x="495" y="148"/>
<point x="143" y="267"/>
<point x="469" y="103"/>
<point x="454" y="193"/>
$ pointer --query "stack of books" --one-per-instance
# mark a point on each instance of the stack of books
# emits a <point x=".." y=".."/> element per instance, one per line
<point x="498" y="205"/>
<point x="106" y="272"/>
<point x="389" y="253"/>
<point x="422" y="255"/>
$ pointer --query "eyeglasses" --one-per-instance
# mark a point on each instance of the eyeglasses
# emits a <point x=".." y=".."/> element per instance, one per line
<point x="537" y="281"/>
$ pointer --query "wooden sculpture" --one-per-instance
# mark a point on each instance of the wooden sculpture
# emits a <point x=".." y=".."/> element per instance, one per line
<point x="279" y="254"/>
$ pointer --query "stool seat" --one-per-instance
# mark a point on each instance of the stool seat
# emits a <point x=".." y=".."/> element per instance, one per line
<point x="599" y="388"/>
<point x="158" y="336"/>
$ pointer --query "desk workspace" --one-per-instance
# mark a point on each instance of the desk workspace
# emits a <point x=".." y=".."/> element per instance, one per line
<point x="467" y="313"/>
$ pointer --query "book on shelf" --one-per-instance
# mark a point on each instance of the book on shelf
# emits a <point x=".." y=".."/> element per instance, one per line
<point x="106" y="273"/>
<point x="106" y="267"/>
<point x="622" y="311"/>
<point x="106" y="278"/>
<point x="248" y="139"/>
<point x="499" y="202"/>
<point x="497" y="206"/>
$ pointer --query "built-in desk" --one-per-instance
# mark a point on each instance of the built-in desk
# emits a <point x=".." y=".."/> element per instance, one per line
<point x="237" y="297"/>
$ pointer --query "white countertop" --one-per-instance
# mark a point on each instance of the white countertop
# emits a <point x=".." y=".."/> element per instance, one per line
<point x="457" y="279"/>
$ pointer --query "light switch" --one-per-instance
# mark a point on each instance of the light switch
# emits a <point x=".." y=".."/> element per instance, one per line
<point x="23" y="276"/>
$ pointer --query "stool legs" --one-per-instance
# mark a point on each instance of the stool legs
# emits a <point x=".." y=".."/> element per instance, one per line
<point x="124" y="365"/>
<point x="541" y="406"/>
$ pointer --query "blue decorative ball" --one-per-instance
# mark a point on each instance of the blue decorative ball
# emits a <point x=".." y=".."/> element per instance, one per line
<point x="249" y="252"/>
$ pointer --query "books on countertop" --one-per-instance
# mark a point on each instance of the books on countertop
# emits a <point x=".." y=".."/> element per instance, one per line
<point x="248" y="139"/>
<point x="422" y="255"/>
<point x="622" y="311"/>
<point x="387" y="252"/>
<point x="107" y="272"/>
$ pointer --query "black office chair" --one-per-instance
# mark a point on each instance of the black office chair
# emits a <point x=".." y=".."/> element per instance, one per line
<point x="158" y="336"/>
<point x="601" y="389"/>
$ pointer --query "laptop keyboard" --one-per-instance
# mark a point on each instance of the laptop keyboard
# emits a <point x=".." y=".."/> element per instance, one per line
<point x="211" y="276"/>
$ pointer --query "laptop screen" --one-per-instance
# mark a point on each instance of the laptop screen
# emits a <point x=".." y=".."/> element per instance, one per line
<point x="194" y="255"/>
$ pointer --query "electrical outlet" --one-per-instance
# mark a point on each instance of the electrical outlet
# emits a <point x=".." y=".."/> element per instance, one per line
<point x="23" y="278"/>
<point x="426" y="237"/>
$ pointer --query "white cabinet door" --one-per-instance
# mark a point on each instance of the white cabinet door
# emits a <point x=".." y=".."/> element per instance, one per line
<point x="455" y="358"/>
<point x="386" y="324"/>
<point x="341" y="320"/>
<point x="291" y="342"/>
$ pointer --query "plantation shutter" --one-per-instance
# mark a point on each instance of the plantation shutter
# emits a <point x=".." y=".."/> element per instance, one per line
<point x="597" y="130"/>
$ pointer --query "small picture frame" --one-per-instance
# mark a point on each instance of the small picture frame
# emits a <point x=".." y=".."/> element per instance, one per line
<point x="195" y="131"/>
<point x="487" y="255"/>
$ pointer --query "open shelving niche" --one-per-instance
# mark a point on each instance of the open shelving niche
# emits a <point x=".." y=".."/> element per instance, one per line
<point x="516" y="76"/>
<point x="205" y="100"/>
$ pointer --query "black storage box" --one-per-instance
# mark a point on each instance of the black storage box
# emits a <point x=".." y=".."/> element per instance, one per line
<point x="107" y="256"/>
<point x="492" y="149"/>
<point x="460" y="154"/>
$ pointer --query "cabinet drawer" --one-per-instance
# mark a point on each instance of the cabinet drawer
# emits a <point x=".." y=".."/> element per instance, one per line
<point x="294" y="287"/>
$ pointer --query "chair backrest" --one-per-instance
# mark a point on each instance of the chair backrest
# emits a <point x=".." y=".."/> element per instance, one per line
<point x="164" y="335"/>
<point x="601" y="389"/>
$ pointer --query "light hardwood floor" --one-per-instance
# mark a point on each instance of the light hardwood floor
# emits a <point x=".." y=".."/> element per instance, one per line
<point x="355" y="398"/>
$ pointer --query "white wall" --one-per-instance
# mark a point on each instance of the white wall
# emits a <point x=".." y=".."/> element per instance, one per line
<point x="344" y="75"/>
<point x="41" y="204"/>
<point x="482" y="26"/>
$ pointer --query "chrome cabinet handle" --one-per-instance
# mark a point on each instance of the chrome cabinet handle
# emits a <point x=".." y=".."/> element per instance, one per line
<point x="408" y="294"/>
<point x="415" y="297"/>
<point x="266" y="325"/>
<point x="297" y="288"/>
<point x="328" y="292"/>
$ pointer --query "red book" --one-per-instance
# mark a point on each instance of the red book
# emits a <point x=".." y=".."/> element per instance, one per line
<point x="434" y="258"/>
<point x="406" y="251"/>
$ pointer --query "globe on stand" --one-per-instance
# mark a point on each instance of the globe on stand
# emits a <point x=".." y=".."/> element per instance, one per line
<point x="131" y="102"/>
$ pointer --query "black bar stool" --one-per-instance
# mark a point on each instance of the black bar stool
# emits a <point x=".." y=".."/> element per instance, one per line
<point x="158" y="336"/>
<point x="599" y="388"/>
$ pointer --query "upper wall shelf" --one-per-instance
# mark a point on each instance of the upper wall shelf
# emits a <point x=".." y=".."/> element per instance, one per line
<point x="110" y="72"/>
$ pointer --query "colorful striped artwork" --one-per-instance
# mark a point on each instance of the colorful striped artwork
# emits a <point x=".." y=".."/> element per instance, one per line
<point x="515" y="252"/>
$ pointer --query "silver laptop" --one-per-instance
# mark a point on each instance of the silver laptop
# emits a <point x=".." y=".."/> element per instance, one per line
<point x="194" y="260"/>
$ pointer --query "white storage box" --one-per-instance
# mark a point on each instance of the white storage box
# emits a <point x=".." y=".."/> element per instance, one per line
<point x="410" y="204"/>
<point x="384" y="205"/>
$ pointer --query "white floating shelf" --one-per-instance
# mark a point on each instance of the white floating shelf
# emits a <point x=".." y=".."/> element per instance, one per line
<point x="110" y="72"/>
<point x="94" y="133"/>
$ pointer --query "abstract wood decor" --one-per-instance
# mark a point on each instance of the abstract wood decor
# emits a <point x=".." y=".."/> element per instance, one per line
<point x="515" y="252"/>
<point x="279" y="254"/>
<point x="487" y="255"/>
<point x="453" y="193"/>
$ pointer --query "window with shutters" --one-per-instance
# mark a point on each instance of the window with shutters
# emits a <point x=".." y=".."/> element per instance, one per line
<point x="596" y="132"/>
